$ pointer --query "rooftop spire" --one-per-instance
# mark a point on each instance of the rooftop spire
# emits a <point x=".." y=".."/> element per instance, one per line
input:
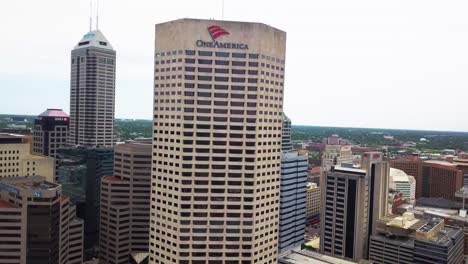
<point x="90" y="15"/>
<point x="97" y="15"/>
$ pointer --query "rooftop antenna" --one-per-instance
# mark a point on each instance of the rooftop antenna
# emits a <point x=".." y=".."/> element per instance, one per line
<point x="90" y="15"/>
<point x="97" y="15"/>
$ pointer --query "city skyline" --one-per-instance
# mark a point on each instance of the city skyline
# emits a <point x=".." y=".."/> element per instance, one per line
<point x="395" y="66"/>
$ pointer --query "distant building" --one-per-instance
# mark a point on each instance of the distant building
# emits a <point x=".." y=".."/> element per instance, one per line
<point x="50" y="132"/>
<point x="292" y="202"/>
<point x="434" y="178"/>
<point x="335" y="155"/>
<point x="286" y="144"/>
<point x="92" y="92"/>
<point x="335" y="140"/>
<point x="38" y="224"/>
<point x="16" y="159"/>
<point x="313" y="201"/>
<point x="403" y="183"/>
<point x="314" y="175"/>
<point x="80" y="171"/>
<point x="462" y="163"/>
<point x="125" y="204"/>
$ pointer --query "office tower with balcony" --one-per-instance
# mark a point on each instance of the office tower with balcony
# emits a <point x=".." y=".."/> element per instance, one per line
<point x="38" y="224"/>
<point x="125" y="204"/>
<point x="218" y="103"/>
<point x="92" y="91"/>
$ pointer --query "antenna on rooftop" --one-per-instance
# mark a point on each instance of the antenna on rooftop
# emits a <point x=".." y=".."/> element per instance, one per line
<point x="90" y="15"/>
<point x="97" y="15"/>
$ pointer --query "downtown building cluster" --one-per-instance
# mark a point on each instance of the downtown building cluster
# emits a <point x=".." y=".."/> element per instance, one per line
<point x="219" y="182"/>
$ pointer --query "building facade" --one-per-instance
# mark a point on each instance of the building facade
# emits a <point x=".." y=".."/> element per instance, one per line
<point x="352" y="202"/>
<point x="293" y="190"/>
<point x="16" y="159"/>
<point x="125" y="204"/>
<point x="403" y="183"/>
<point x="92" y="92"/>
<point x="217" y="142"/>
<point x="313" y="201"/>
<point x="80" y="170"/>
<point x="38" y="224"/>
<point x="424" y="242"/>
<point x="434" y="178"/>
<point x="335" y="155"/>
<point x="286" y="144"/>
<point x="50" y="132"/>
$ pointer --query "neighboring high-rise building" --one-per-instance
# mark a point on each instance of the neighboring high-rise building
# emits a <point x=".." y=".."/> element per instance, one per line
<point x="16" y="158"/>
<point x="434" y="178"/>
<point x="92" y="92"/>
<point x="352" y="200"/>
<point x="313" y="201"/>
<point x="292" y="202"/>
<point x="335" y="140"/>
<point x="217" y="142"/>
<point x="403" y="183"/>
<point x="38" y="224"/>
<point x="439" y="179"/>
<point x="50" y="132"/>
<point x="335" y="155"/>
<point x="80" y="170"/>
<point x="409" y="166"/>
<point x="125" y="204"/>
<point x="286" y="144"/>
<point x="405" y="240"/>
<point x="462" y="163"/>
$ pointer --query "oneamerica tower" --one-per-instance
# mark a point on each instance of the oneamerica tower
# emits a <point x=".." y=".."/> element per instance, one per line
<point x="218" y="103"/>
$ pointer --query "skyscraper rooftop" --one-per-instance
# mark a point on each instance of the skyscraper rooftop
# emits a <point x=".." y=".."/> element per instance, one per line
<point x="94" y="38"/>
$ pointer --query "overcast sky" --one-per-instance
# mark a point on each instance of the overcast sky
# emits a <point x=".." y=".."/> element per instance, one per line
<point x="388" y="64"/>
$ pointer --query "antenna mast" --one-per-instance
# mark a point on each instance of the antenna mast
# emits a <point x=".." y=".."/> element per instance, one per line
<point x="97" y="15"/>
<point x="90" y="15"/>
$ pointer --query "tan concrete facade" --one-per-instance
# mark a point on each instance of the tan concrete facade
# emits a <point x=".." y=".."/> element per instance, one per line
<point x="217" y="143"/>
<point x="125" y="203"/>
<point x="16" y="159"/>
<point x="37" y="223"/>
<point x="313" y="200"/>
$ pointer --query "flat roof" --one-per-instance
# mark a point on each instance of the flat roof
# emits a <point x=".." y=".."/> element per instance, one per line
<point x="352" y="170"/>
<point x="310" y="257"/>
<point x="441" y="162"/>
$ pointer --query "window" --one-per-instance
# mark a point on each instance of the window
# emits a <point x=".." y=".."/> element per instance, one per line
<point x="238" y="55"/>
<point x="222" y="54"/>
<point x="205" y="53"/>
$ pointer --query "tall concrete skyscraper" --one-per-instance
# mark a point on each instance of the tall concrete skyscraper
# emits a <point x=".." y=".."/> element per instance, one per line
<point x="217" y="142"/>
<point x="125" y="203"/>
<point x="92" y="91"/>
<point x="293" y="192"/>
<point x="352" y="201"/>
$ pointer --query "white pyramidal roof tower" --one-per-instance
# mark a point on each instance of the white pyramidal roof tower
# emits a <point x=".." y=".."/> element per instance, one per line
<point x="94" y="38"/>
